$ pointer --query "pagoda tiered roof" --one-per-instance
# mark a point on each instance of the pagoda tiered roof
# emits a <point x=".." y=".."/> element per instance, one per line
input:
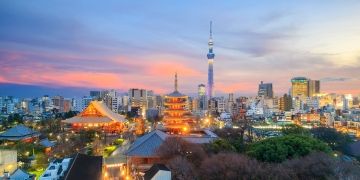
<point x="176" y="94"/>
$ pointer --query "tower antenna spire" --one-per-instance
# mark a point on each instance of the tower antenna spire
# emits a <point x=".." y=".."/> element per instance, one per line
<point x="176" y="82"/>
<point x="210" y="29"/>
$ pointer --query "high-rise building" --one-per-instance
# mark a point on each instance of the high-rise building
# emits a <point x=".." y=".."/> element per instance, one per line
<point x="201" y="90"/>
<point x="67" y="105"/>
<point x="285" y="103"/>
<point x="299" y="87"/>
<point x="230" y="103"/>
<point x="201" y="97"/>
<point x="210" y="56"/>
<point x="138" y="100"/>
<point x="116" y="103"/>
<point x="58" y="103"/>
<point x="45" y="104"/>
<point x="347" y="101"/>
<point x="266" y="90"/>
<point x="125" y="103"/>
<point x="76" y="104"/>
<point x="314" y="87"/>
<point x="85" y="101"/>
<point x="1" y="103"/>
<point x="95" y="94"/>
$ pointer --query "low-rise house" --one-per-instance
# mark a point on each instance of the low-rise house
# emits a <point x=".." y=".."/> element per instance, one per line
<point x="79" y="166"/>
<point x="20" y="174"/>
<point x="158" y="172"/>
<point x="47" y="144"/>
<point x="8" y="161"/>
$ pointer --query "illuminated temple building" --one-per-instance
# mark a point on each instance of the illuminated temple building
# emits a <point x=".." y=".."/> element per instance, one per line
<point x="97" y="116"/>
<point x="177" y="117"/>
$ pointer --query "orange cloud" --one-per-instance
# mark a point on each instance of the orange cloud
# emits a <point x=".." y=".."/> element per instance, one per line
<point x="167" y="68"/>
<point x="234" y="87"/>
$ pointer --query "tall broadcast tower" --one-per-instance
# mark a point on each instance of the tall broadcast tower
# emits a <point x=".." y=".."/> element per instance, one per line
<point x="210" y="56"/>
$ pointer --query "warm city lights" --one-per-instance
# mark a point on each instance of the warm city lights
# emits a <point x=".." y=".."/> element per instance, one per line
<point x="179" y="90"/>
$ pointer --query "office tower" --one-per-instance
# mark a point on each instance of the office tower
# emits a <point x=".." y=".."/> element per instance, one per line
<point x="201" y="97"/>
<point x="138" y="100"/>
<point x="314" y="87"/>
<point x="230" y="103"/>
<point x="46" y="103"/>
<point x="85" y="101"/>
<point x="151" y="99"/>
<point x="266" y="90"/>
<point x="347" y="101"/>
<point x="116" y="103"/>
<point x="299" y="87"/>
<point x="76" y="104"/>
<point x="285" y="103"/>
<point x="210" y="56"/>
<point x="95" y="94"/>
<point x="201" y="90"/>
<point x="58" y="103"/>
<point x="67" y="105"/>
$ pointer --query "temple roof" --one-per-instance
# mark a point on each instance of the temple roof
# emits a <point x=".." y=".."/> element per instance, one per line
<point x="96" y="112"/>
<point x="18" y="132"/>
<point x="176" y="94"/>
<point x="46" y="143"/>
<point x="147" y="144"/>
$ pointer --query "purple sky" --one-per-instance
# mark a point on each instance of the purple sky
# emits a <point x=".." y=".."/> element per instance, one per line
<point x="127" y="44"/>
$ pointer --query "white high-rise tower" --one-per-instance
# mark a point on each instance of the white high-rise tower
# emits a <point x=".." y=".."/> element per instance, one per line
<point x="210" y="56"/>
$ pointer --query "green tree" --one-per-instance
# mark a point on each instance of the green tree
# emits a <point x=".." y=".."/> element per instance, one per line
<point x="220" y="145"/>
<point x="278" y="149"/>
<point x="70" y="114"/>
<point x="15" y="118"/>
<point x="294" y="129"/>
<point x="234" y="136"/>
<point x="87" y="136"/>
<point x="41" y="161"/>
<point x="336" y="140"/>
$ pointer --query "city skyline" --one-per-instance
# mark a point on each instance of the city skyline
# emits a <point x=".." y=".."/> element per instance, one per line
<point x="119" y="48"/>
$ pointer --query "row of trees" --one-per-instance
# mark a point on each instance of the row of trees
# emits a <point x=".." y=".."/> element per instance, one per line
<point x="298" y="154"/>
<point x="194" y="161"/>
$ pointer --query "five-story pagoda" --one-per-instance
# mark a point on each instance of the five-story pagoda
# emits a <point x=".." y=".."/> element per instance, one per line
<point x="177" y="117"/>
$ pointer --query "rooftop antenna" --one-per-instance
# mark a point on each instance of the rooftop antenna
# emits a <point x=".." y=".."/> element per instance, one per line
<point x="210" y="29"/>
<point x="176" y="82"/>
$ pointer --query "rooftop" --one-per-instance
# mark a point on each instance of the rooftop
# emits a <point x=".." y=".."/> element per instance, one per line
<point x="96" y="112"/>
<point x="21" y="174"/>
<point x="147" y="144"/>
<point x="78" y="166"/>
<point x="149" y="174"/>
<point x="176" y="94"/>
<point x="85" y="167"/>
<point x="18" y="132"/>
<point x="299" y="79"/>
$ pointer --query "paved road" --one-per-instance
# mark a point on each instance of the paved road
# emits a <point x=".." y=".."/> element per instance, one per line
<point x="121" y="149"/>
<point x="116" y="158"/>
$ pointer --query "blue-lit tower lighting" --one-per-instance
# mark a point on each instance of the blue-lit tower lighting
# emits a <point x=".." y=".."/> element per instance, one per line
<point x="210" y="56"/>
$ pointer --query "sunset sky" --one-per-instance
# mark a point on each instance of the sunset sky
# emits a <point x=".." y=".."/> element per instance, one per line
<point x="128" y="44"/>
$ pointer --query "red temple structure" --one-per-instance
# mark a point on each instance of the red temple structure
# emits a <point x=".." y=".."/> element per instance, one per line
<point x="177" y="117"/>
<point x="97" y="116"/>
